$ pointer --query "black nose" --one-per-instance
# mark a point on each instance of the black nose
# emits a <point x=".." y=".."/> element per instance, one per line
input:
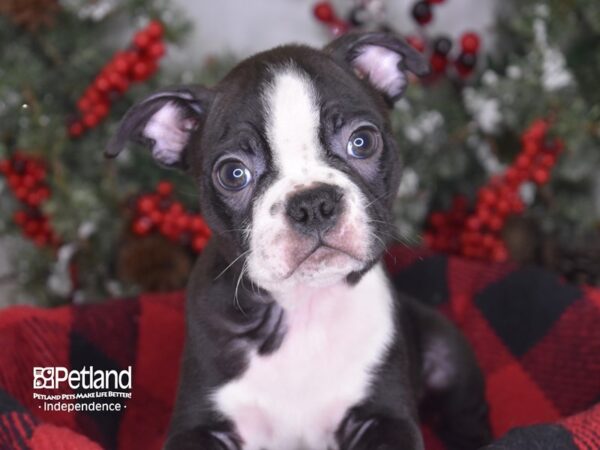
<point x="315" y="210"/>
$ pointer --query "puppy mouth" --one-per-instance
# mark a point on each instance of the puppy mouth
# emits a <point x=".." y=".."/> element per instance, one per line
<point x="319" y="252"/>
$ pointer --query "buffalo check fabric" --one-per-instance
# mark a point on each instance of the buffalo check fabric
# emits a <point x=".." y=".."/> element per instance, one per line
<point x="537" y="340"/>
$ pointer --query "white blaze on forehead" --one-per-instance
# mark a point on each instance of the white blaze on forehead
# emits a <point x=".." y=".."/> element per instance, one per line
<point x="292" y="121"/>
<point x="292" y="126"/>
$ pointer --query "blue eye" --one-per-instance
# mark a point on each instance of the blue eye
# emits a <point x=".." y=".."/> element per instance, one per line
<point x="233" y="175"/>
<point x="363" y="143"/>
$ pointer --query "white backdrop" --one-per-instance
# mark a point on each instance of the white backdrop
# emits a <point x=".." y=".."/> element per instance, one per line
<point x="243" y="27"/>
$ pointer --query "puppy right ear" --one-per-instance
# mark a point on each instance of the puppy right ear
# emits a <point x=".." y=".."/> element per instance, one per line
<point x="164" y="122"/>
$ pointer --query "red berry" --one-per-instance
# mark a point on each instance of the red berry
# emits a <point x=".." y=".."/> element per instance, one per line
<point x="530" y="147"/>
<point x="548" y="160"/>
<point x="523" y="162"/>
<point x="101" y="110"/>
<point x="496" y="223"/>
<point x="537" y="130"/>
<point x="164" y="188"/>
<point x="473" y="223"/>
<point x="141" y="226"/>
<point x="31" y="227"/>
<point x="93" y="94"/>
<point x="118" y="81"/>
<point x="28" y="180"/>
<point x="487" y="196"/>
<point x="120" y="63"/>
<point x="142" y="39"/>
<point x="155" y="29"/>
<point x="503" y="207"/>
<point x="75" y="129"/>
<point x="156" y="50"/>
<point x="84" y="104"/>
<point x="323" y="11"/>
<point x="175" y="210"/>
<point x="416" y="42"/>
<point x="437" y="220"/>
<point x="541" y="176"/>
<point x="483" y="214"/>
<point x="21" y="193"/>
<point x="90" y="120"/>
<point x="141" y="71"/>
<point x="199" y="242"/>
<point x="156" y="216"/>
<point x="33" y="199"/>
<point x="500" y="253"/>
<point x="197" y="225"/>
<point x="438" y="62"/>
<point x="183" y="222"/>
<point x="168" y="230"/>
<point x="470" y="42"/>
<point x="40" y="240"/>
<point x="102" y="84"/>
<point x="146" y="204"/>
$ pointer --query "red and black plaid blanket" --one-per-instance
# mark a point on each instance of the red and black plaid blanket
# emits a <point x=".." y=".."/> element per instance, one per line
<point x="537" y="340"/>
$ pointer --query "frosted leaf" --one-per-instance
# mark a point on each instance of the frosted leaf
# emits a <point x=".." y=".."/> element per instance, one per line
<point x="490" y="78"/>
<point x="527" y="193"/>
<point x="86" y="229"/>
<point x="485" y="111"/>
<point x="409" y="183"/>
<point x="555" y="75"/>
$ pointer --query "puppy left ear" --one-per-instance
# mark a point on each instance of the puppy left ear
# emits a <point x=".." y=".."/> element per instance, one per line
<point x="164" y="122"/>
<point x="380" y="57"/>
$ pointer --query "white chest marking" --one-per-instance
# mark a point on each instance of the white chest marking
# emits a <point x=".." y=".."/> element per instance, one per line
<point x="296" y="397"/>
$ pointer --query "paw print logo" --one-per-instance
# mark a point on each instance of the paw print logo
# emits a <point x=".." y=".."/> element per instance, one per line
<point x="43" y="377"/>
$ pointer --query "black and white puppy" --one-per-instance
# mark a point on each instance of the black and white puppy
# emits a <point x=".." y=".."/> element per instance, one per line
<point x="295" y="337"/>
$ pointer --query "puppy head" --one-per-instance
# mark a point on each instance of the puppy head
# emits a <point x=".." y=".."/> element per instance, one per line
<point x="293" y="155"/>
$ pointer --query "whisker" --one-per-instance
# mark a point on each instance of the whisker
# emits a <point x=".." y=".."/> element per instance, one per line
<point x="376" y="199"/>
<point x="236" y="300"/>
<point x="231" y="264"/>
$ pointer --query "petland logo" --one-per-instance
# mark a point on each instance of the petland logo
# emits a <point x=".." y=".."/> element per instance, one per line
<point x="86" y="378"/>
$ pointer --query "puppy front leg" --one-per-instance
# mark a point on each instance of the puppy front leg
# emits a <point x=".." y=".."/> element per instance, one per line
<point x="361" y="431"/>
<point x="204" y="439"/>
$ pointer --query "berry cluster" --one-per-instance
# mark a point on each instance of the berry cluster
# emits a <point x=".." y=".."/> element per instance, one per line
<point x="440" y="55"/>
<point x="440" y="58"/>
<point x="422" y="11"/>
<point x="477" y="233"/>
<point x="26" y="178"/>
<point x="135" y="64"/>
<point x="159" y="212"/>
<point x="324" y="13"/>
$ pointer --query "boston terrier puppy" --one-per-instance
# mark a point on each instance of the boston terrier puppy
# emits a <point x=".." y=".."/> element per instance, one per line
<point x="296" y="340"/>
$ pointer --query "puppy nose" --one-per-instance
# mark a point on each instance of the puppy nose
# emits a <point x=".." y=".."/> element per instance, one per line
<point x="314" y="210"/>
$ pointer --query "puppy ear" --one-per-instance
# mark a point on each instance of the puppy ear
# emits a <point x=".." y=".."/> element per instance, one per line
<point x="380" y="57"/>
<point x="164" y="122"/>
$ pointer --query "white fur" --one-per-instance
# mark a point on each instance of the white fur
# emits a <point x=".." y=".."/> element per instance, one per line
<point x="380" y="65"/>
<point x="293" y="120"/>
<point x="296" y="397"/>
<point x="170" y="133"/>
